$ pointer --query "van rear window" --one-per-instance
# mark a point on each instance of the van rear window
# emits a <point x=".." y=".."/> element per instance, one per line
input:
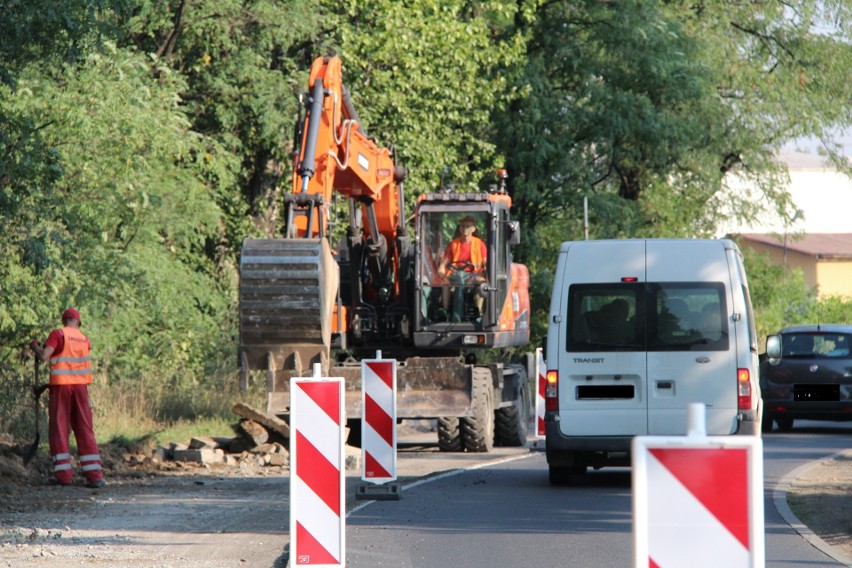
<point x="679" y="316"/>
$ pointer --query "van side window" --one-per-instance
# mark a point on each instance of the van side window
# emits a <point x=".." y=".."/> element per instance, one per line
<point x="605" y="317"/>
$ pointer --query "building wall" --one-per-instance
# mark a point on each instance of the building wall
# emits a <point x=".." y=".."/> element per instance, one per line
<point x="829" y="277"/>
<point x="822" y="195"/>
<point x="824" y="198"/>
<point x="834" y="277"/>
<point x="795" y="260"/>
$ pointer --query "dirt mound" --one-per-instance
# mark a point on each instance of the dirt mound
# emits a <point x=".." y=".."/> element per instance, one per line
<point x="822" y="499"/>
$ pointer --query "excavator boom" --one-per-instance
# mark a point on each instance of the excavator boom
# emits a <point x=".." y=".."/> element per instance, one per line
<point x="337" y="156"/>
<point x="290" y="305"/>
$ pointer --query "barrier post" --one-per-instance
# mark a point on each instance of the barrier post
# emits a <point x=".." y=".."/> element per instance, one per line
<point x="540" y="382"/>
<point x="538" y="441"/>
<point x="378" y="430"/>
<point x="317" y="471"/>
<point x="698" y="499"/>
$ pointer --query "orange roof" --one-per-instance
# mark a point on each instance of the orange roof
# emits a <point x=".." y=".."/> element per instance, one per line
<point x="819" y="245"/>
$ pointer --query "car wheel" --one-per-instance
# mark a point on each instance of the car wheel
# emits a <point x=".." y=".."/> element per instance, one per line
<point x="785" y="424"/>
<point x="766" y="424"/>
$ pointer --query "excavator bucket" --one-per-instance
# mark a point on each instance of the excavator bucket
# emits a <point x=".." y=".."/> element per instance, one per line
<point x="288" y="288"/>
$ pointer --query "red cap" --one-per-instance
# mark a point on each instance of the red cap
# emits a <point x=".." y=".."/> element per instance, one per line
<point x="71" y="313"/>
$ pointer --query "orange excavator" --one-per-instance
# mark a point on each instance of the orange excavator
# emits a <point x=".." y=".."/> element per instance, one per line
<point x="433" y="299"/>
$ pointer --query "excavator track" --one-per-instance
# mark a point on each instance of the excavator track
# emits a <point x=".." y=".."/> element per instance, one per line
<point x="288" y="288"/>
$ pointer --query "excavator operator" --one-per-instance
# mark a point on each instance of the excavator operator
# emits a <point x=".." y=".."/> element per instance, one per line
<point x="463" y="264"/>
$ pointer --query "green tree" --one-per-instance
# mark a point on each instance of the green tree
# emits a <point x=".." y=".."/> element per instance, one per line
<point x="656" y="112"/>
<point x="121" y="229"/>
<point x="426" y="76"/>
<point x="46" y="35"/>
<point x="650" y="108"/>
<point x="780" y="298"/>
<point x="243" y="62"/>
<point x="53" y="32"/>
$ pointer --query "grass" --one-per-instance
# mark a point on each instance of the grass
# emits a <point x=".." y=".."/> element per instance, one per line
<point x="154" y="414"/>
<point x="137" y="414"/>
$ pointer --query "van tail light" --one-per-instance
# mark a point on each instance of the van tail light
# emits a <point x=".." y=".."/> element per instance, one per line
<point x="551" y="390"/>
<point x="743" y="389"/>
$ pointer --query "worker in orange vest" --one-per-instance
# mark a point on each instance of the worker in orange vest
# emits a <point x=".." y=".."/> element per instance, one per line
<point x="68" y="351"/>
<point x="464" y="263"/>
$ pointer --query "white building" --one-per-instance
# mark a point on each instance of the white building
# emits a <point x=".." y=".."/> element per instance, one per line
<point x="821" y="194"/>
<point x="818" y="238"/>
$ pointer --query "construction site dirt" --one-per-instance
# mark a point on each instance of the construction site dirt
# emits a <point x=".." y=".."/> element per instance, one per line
<point x="180" y="515"/>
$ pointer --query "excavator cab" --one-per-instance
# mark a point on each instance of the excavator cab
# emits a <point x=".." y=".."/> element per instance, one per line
<point x="453" y="263"/>
<point x="468" y="293"/>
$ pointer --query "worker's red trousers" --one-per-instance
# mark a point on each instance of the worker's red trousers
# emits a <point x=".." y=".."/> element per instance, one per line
<point x="70" y="410"/>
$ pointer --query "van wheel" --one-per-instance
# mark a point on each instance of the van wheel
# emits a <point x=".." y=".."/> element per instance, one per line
<point x="565" y="475"/>
<point x="449" y="434"/>
<point x="511" y="423"/>
<point x="478" y="430"/>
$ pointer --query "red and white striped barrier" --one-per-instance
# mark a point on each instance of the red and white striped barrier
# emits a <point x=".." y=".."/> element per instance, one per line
<point x="698" y="500"/>
<point x="378" y="419"/>
<point x="540" y="381"/>
<point x="317" y="476"/>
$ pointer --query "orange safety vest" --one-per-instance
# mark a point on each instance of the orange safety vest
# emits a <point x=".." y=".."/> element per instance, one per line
<point x="476" y="257"/>
<point x="73" y="365"/>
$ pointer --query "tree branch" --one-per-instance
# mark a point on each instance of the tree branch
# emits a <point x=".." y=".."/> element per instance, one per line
<point x="167" y="47"/>
<point x="766" y="38"/>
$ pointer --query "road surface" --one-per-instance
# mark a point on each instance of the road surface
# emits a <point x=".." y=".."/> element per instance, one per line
<point x="502" y="514"/>
<point x="509" y="515"/>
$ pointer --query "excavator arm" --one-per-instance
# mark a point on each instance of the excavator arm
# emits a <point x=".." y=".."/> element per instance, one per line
<point x="290" y="295"/>
<point x="337" y="156"/>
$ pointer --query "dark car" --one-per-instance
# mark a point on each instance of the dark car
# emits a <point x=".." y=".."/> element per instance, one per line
<point x="807" y="374"/>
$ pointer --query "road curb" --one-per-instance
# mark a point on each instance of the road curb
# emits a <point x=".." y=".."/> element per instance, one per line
<point x="779" y="498"/>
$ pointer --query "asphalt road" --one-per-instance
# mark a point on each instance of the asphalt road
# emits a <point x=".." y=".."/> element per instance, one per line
<point x="492" y="510"/>
<point x="508" y="515"/>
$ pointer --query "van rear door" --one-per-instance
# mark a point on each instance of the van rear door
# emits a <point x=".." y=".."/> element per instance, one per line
<point x="602" y="385"/>
<point x="691" y="343"/>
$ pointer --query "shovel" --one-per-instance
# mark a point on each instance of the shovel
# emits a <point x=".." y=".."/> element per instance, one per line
<point x="31" y="450"/>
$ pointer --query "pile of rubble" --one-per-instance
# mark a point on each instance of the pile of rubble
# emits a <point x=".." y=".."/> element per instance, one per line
<point x="261" y="441"/>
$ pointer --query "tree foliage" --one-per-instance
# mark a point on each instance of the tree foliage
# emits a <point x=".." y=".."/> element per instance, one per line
<point x="430" y="74"/>
<point x="243" y="62"/>
<point x="650" y="109"/>
<point x="53" y="33"/>
<point x="654" y="115"/>
<point x="142" y="140"/>
<point x="116" y="215"/>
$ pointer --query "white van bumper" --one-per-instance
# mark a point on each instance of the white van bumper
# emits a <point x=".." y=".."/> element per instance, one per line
<point x="585" y="451"/>
<point x="604" y="451"/>
<point x="749" y="422"/>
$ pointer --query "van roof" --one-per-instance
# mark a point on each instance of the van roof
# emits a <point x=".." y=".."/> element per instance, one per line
<point x="727" y="243"/>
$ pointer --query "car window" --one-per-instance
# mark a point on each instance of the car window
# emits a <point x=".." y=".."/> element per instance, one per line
<point x="813" y="345"/>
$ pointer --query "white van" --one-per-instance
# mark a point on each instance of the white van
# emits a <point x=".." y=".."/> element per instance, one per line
<point x="638" y="329"/>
